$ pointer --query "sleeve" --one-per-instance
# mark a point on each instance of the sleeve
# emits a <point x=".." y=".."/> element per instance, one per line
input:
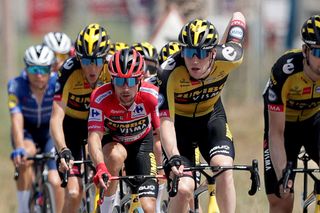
<point x="166" y="90"/>
<point x="13" y="97"/>
<point x="95" y="120"/>
<point x="276" y="89"/>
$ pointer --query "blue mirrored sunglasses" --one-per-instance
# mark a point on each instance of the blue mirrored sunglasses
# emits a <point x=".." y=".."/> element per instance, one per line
<point x="131" y="82"/>
<point x="190" y="52"/>
<point x="96" y="61"/>
<point x="42" y="70"/>
<point x="315" y="52"/>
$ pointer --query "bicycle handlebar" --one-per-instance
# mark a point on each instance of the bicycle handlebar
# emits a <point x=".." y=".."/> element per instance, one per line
<point x="253" y="169"/>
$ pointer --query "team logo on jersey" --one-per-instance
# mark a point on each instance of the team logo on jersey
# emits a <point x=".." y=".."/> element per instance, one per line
<point x="236" y="32"/>
<point x="138" y="111"/>
<point x="168" y="64"/>
<point x="12" y="101"/>
<point x="79" y="102"/>
<point x="318" y="90"/>
<point x="160" y="100"/>
<point x="288" y="68"/>
<point x="103" y="96"/>
<point x="229" y="53"/>
<point x="128" y="127"/>
<point x="272" y="95"/>
<point x="68" y="64"/>
<point x="95" y="114"/>
<point x="306" y="90"/>
<point x="57" y="87"/>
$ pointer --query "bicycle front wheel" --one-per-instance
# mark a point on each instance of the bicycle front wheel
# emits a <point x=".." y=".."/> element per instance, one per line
<point x="49" y="204"/>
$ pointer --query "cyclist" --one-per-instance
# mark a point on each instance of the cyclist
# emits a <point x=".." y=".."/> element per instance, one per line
<point x="167" y="50"/>
<point x="61" y="44"/>
<point x="127" y="109"/>
<point x="78" y="77"/>
<point x="291" y="113"/>
<point x="191" y="111"/>
<point x="114" y="47"/>
<point x="30" y="97"/>
<point x="150" y="56"/>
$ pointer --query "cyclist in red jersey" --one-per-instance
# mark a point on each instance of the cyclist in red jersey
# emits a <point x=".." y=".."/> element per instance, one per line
<point x="122" y="114"/>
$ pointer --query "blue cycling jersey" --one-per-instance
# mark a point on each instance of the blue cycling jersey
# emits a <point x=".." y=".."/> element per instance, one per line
<point x="21" y="100"/>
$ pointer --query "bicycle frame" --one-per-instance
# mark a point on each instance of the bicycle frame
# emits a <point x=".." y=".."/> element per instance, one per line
<point x="133" y="197"/>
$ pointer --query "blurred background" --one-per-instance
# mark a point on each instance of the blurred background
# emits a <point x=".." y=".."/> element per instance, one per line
<point x="273" y="26"/>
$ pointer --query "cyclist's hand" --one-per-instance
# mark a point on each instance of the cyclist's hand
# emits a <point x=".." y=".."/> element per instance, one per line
<point x="65" y="160"/>
<point x="102" y="176"/>
<point x="18" y="156"/>
<point x="174" y="164"/>
<point x="284" y="192"/>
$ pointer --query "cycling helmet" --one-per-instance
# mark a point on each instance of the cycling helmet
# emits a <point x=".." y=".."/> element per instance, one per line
<point x="310" y="30"/>
<point x="39" y="55"/>
<point x="58" y="42"/>
<point x="114" y="47"/>
<point x="147" y="50"/>
<point x="92" y="41"/>
<point x="167" y="50"/>
<point x="199" y="33"/>
<point x="126" y="63"/>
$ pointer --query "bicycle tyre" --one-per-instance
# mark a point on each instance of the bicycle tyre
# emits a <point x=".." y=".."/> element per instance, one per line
<point x="49" y="204"/>
<point x="33" y="206"/>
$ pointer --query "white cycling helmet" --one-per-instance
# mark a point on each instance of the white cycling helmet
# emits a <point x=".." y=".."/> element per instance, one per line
<point x="58" y="42"/>
<point x="39" y="55"/>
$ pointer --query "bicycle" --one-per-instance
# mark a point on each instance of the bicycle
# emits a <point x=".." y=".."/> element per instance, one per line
<point x="314" y="196"/>
<point x="42" y="195"/>
<point x="129" y="202"/>
<point x="210" y="182"/>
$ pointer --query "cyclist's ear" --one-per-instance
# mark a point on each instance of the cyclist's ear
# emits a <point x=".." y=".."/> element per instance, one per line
<point x="304" y="50"/>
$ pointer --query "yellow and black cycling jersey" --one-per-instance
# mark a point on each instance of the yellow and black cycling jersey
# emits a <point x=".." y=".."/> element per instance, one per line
<point x="290" y="90"/>
<point x="182" y="95"/>
<point x="74" y="90"/>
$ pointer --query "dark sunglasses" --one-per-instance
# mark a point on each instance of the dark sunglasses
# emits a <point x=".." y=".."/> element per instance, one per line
<point x="131" y="82"/>
<point x="96" y="61"/>
<point x="315" y="51"/>
<point x="190" y="52"/>
<point x="42" y="70"/>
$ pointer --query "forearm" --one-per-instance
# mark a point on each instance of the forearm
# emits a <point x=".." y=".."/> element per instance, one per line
<point x="17" y="129"/>
<point x="239" y="20"/>
<point x="168" y="137"/>
<point x="56" y="127"/>
<point x="278" y="154"/>
<point x="95" y="147"/>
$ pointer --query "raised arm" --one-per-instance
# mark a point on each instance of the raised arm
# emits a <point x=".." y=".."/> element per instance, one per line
<point x="235" y="30"/>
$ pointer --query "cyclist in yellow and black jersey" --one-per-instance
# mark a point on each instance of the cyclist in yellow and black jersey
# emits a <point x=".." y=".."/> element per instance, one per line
<point x="77" y="78"/>
<point x="191" y="111"/>
<point x="291" y="112"/>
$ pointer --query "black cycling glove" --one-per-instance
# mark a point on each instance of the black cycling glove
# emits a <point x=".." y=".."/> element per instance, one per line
<point x="175" y="160"/>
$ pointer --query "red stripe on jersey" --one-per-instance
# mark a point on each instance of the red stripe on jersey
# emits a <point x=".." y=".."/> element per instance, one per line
<point x="164" y="113"/>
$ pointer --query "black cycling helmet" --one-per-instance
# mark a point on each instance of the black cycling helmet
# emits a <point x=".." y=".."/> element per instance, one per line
<point x="147" y="50"/>
<point x="310" y="30"/>
<point x="168" y="49"/>
<point x="92" y="41"/>
<point x="199" y="33"/>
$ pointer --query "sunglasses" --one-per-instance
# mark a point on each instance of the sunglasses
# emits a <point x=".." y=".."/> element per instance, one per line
<point x="42" y="70"/>
<point x="62" y="57"/>
<point x="190" y="52"/>
<point x="120" y="82"/>
<point x="315" y="51"/>
<point x="96" y="61"/>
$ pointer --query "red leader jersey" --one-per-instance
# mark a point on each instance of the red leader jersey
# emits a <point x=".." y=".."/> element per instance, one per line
<point x="125" y="125"/>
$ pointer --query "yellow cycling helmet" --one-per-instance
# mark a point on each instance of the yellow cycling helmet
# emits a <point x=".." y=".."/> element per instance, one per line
<point x="310" y="30"/>
<point x="167" y="50"/>
<point x="147" y="50"/>
<point x="114" y="47"/>
<point x="199" y="33"/>
<point x="92" y="41"/>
